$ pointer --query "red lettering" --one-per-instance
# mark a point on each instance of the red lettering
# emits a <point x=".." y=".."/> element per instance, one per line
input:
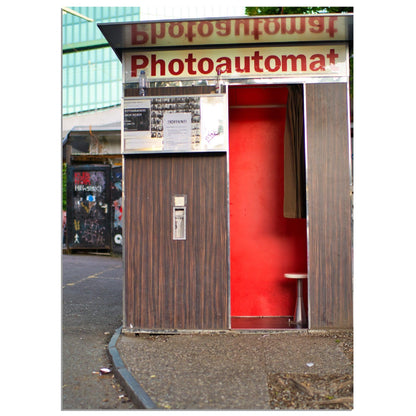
<point x="176" y="33"/>
<point x="138" y="62"/>
<point x="138" y="37"/>
<point x="201" y="68"/>
<point x="272" y="23"/>
<point x="268" y="66"/>
<point x="246" y="26"/>
<point x="205" y="32"/>
<point x="155" y="33"/>
<point x="159" y="62"/>
<point x="225" y="67"/>
<point x="257" y="58"/>
<point x="331" y="56"/>
<point x="255" y="28"/>
<point x="246" y="64"/>
<point x="190" y="60"/>
<point x="331" y="30"/>
<point x="172" y="69"/>
<point x="293" y="59"/>
<point x="224" y="27"/>
<point x="82" y="178"/>
<point x="190" y="33"/>
<point x="257" y="61"/>
<point x="256" y="31"/>
<point x="293" y="27"/>
<point x="319" y="64"/>
<point x="317" y="24"/>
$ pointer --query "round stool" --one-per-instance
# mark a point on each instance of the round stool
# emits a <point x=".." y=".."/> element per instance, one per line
<point x="300" y="314"/>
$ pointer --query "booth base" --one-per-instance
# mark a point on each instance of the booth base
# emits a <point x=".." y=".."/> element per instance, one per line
<point x="261" y="322"/>
<point x="247" y="324"/>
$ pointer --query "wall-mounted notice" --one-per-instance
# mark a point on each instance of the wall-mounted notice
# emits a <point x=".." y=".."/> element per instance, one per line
<point x="161" y="106"/>
<point x="137" y="118"/>
<point x="137" y="126"/>
<point x="177" y="131"/>
<point x="213" y="122"/>
<point x="175" y="123"/>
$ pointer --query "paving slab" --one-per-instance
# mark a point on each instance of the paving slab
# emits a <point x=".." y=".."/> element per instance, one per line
<point x="224" y="370"/>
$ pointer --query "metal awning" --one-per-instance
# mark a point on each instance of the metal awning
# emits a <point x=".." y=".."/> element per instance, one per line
<point x="235" y="31"/>
<point x="114" y="127"/>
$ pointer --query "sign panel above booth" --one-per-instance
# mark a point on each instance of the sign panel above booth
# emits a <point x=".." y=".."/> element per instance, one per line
<point x="310" y="60"/>
<point x="228" y="31"/>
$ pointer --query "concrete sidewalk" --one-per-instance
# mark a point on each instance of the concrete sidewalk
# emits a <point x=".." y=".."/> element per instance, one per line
<point x="228" y="370"/>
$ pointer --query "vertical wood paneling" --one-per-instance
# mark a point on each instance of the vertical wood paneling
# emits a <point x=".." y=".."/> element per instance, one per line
<point x="173" y="284"/>
<point x="329" y="207"/>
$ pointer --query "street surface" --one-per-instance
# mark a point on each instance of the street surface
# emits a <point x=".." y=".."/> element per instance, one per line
<point x="91" y="312"/>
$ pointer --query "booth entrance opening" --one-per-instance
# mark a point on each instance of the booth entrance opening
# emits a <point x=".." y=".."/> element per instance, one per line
<point x="264" y="245"/>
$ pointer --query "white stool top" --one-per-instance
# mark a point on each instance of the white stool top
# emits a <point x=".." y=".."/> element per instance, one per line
<point x="296" y="275"/>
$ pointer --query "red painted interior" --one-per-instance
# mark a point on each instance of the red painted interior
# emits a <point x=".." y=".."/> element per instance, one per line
<point x="263" y="244"/>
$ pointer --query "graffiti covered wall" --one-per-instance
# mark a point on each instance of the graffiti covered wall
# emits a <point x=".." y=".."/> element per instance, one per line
<point x="88" y="216"/>
<point x="117" y="209"/>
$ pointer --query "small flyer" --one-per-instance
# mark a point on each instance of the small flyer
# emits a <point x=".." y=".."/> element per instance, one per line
<point x="137" y="116"/>
<point x="177" y="131"/>
<point x="137" y="127"/>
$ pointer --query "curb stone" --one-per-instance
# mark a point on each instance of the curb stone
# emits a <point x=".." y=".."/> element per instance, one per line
<point x="134" y="390"/>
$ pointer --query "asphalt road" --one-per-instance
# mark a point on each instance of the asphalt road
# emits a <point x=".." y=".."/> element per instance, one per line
<point x="91" y="312"/>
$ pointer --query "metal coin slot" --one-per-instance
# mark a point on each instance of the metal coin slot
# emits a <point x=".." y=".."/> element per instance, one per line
<point x="179" y="223"/>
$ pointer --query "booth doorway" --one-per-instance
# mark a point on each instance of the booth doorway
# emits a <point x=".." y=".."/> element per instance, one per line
<point x="263" y="244"/>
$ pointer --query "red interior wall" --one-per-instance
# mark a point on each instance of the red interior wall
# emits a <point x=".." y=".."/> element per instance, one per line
<point x="263" y="244"/>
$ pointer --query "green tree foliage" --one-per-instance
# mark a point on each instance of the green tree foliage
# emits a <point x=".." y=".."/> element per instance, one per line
<point x="270" y="11"/>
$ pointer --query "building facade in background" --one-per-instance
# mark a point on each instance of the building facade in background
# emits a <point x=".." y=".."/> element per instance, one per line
<point x="91" y="73"/>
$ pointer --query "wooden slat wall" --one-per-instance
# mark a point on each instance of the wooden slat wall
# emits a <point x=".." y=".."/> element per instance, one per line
<point x="172" y="284"/>
<point x="329" y="207"/>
